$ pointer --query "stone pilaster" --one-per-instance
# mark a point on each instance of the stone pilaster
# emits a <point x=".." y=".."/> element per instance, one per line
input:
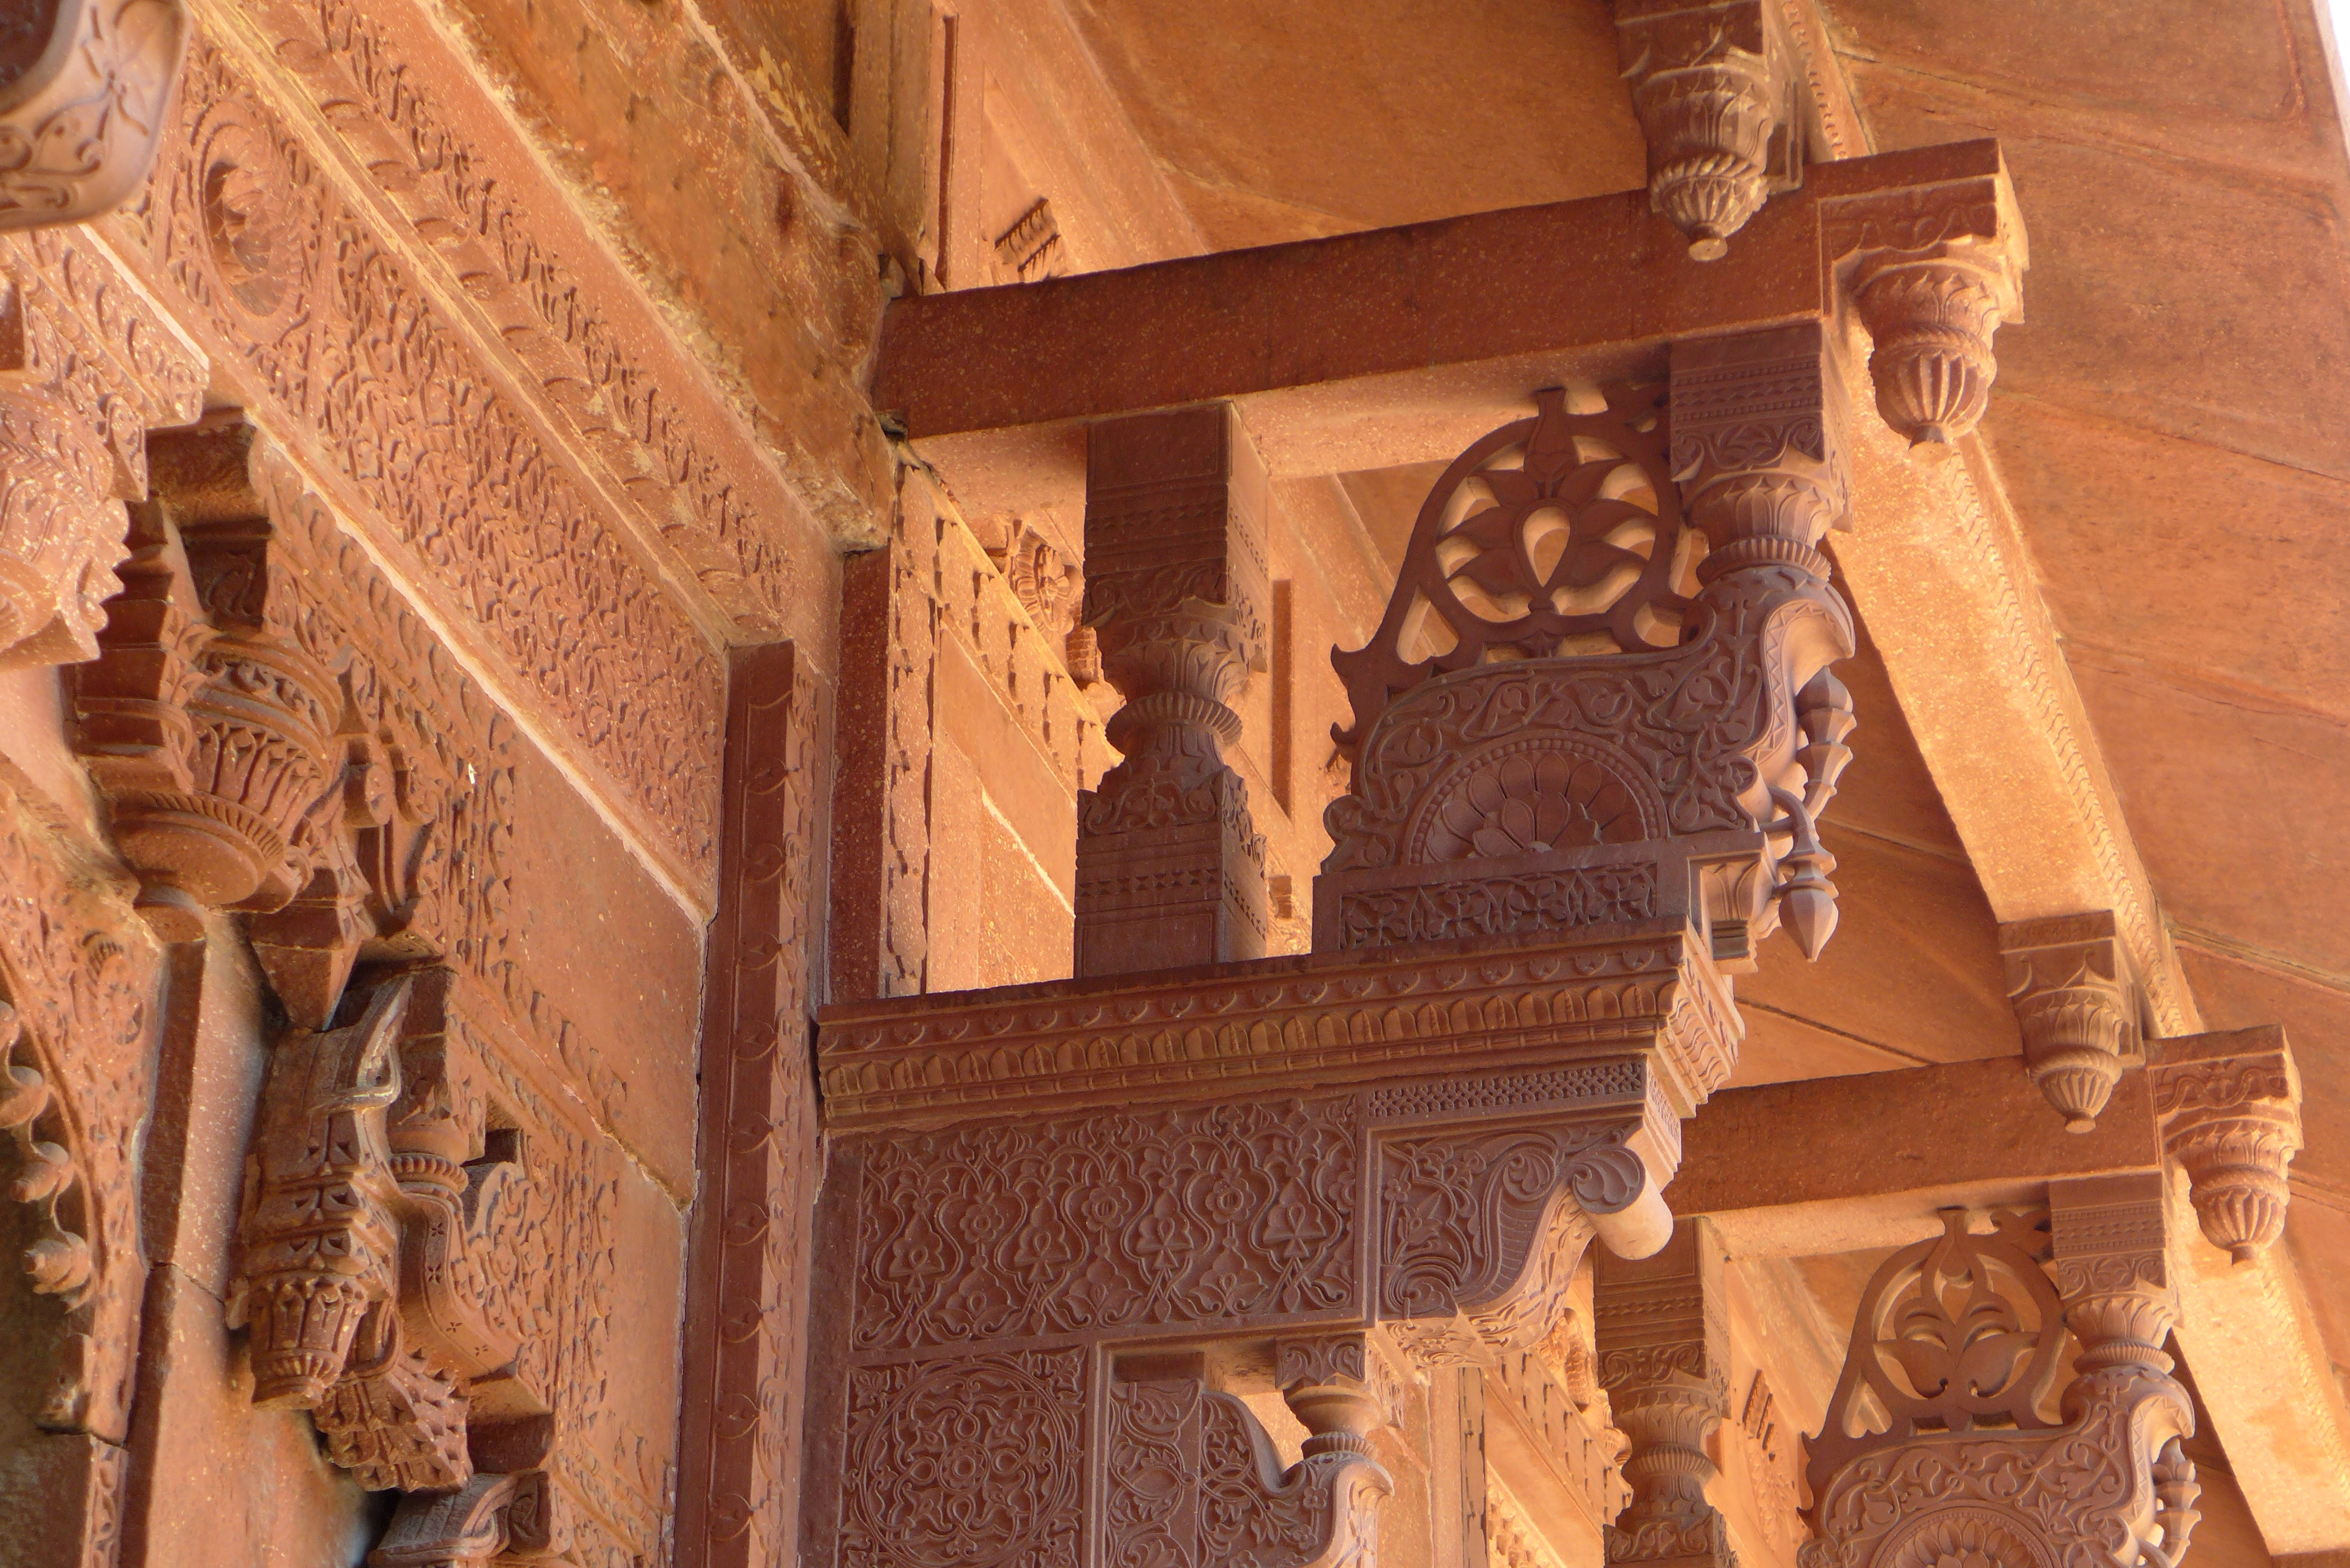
<point x="1171" y="870"/>
<point x="2069" y="980"/>
<point x="1664" y="1361"/>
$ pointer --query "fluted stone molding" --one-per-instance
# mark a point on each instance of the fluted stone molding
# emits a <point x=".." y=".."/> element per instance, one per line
<point x="1931" y="272"/>
<point x="2229" y="1108"/>
<point x="2077" y="1005"/>
<point x="1663" y="1343"/>
<point x="1171" y="868"/>
<point x="83" y="88"/>
<point x="1714" y="87"/>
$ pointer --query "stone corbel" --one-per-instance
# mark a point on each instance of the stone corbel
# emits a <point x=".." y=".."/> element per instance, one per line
<point x="1714" y="86"/>
<point x="2230" y="1110"/>
<point x="82" y="94"/>
<point x="1970" y="1462"/>
<point x="1932" y="272"/>
<point x="2077" y="1005"/>
<point x="1663" y="1346"/>
<point x="87" y="366"/>
<point x="382" y="1218"/>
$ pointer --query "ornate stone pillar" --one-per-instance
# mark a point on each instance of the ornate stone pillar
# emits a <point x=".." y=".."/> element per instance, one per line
<point x="1171" y="870"/>
<point x="2229" y="1108"/>
<point x="1931" y="272"/>
<point x="2070" y="983"/>
<point x="1714" y="86"/>
<point x="1663" y="1344"/>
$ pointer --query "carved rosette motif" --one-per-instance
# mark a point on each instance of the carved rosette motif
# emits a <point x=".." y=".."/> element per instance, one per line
<point x="1958" y="1342"/>
<point x="1714" y="86"/>
<point x="1171" y="868"/>
<point x="1932" y="272"/>
<point x="2230" y="1110"/>
<point x="2069" y="980"/>
<point x="1601" y="693"/>
<point x="83" y="89"/>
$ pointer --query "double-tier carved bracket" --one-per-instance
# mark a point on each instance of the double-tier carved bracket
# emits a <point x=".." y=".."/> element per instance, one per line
<point x="1958" y="1345"/>
<point x="1714" y="86"/>
<point x="2078" y="1006"/>
<point x="2230" y="1110"/>
<point x="1932" y="272"/>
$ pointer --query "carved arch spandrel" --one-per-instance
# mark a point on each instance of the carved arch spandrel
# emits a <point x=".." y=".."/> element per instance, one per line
<point x="78" y="1005"/>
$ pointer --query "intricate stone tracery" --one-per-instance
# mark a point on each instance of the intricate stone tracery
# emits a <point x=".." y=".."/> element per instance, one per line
<point x="1506" y="779"/>
<point x="1958" y="1343"/>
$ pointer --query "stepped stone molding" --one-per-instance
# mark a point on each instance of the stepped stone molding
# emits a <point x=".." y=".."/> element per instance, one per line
<point x="83" y="89"/>
<point x="424" y="1255"/>
<point x="2230" y="1110"/>
<point x="1506" y="780"/>
<point x="1932" y="271"/>
<point x="1959" y="1341"/>
<point x="1663" y="1343"/>
<point x="745" y="1377"/>
<point x="87" y="366"/>
<point x="396" y="406"/>
<point x="1715" y="89"/>
<point x="2069" y="980"/>
<point x="1171" y="868"/>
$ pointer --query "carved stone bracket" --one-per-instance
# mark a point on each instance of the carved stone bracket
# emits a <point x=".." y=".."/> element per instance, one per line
<point x="1171" y="869"/>
<point x="387" y="1237"/>
<point x="2069" y="980"/>
<point x="1529" y="751"/>
<point x="1932" y="272"/>
<point x="490" y="1518"/>
<point x="83" y="88"/>
<point x="1957" y="1342"/>
<point x="1714" y="86"/>
<point x="2229" y="1108"/>
<point x="1663" y="1344"/>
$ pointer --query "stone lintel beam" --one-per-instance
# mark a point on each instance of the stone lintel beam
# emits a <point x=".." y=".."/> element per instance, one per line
<point x="1393" y="346"/>
<point x="1838" y="1163"/>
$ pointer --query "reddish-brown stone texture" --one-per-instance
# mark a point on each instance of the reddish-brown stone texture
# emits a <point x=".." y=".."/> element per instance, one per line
<point x="614" y="556"/>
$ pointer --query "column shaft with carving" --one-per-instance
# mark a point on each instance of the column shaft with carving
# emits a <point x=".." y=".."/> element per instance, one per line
<point x="886" y="709"/>
<point x="1663" y="1342"/>
<point x="1171" y="869"/>
<point x="740" y="1450"/>
<point x="2069" y="980"/>
<point x="1714" y="86"/>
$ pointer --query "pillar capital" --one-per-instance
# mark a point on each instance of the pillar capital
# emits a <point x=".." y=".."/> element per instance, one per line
<point x="2077" y="1004"/>
<point x="2229" y="1106"/>
<point x="1714" y="86"/>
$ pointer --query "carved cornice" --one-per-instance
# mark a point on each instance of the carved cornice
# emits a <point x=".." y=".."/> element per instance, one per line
<point x="2230" y="1110"/>
<point x="1932" y="272"/>
<point x="83" y="86"/>
<point x="2069" y="980"/>
<point x="1259" y="1027"/>
<point x="394" y="408"/>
